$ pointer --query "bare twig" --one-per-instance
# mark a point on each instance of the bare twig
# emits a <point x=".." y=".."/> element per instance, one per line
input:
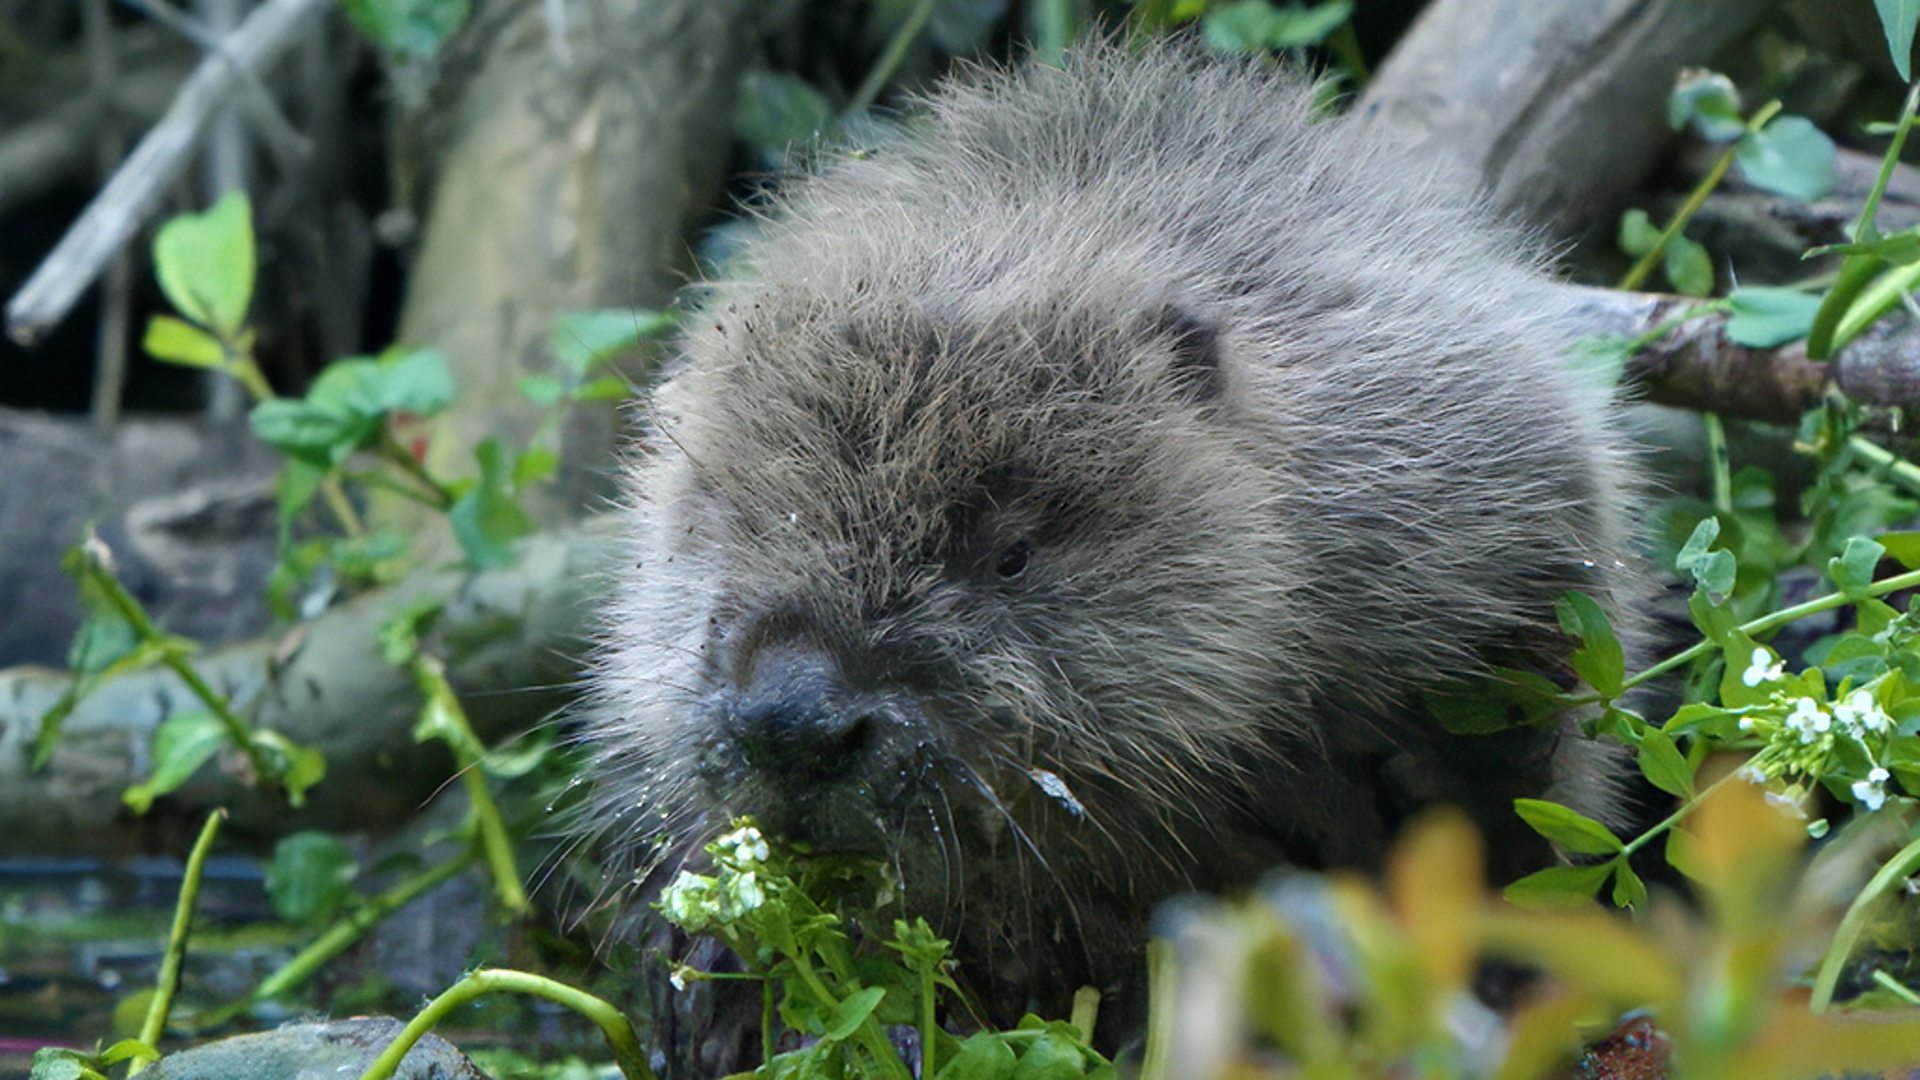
<point x="124" y="204"/>
<point x="1691" y="363"/>
<point x="39" y="153"/>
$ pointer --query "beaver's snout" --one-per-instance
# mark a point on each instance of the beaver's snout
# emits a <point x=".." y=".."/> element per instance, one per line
<point x="805" y="740"/>
<point x="796" y="721"/>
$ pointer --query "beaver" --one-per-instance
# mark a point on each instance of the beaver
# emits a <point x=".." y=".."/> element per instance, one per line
<point x="1073" y="496"/>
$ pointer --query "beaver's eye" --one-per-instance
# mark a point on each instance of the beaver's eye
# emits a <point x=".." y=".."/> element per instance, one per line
<point x="1013" y="561"/>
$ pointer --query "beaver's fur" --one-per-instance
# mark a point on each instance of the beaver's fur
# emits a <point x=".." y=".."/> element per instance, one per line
<point x="1073" y="496"/>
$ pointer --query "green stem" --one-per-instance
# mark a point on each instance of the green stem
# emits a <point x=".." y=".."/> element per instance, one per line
<point x="930" y="1027"/>
<point x="1162" y="984"/>
<point x="1840" y="318"/>
<point x="619" y="1033"/>
<point x="136" y="616"/>
<point x="1052" y="24"/>
<point x="1086" y="1012"/>
<point x="1641" y="269"/>
<point x="1679" y="814"/>
<point x="1775" y="620"/>
<point x="1899" y="470"/>
<point x="496" y="843"/>
<point x="1896" y="870"/>
<point x="1895" y="987"/>
<point x="353" y="926"/>
<point x="1864" y="227"/>
<point x="241" y="366"/>
<point x="871" y="1038"/>
<point x="1721" y="464"/>
<point x="891" y="57"/>
<point x="155" y="1022"/>
<point x="391" y="449"/>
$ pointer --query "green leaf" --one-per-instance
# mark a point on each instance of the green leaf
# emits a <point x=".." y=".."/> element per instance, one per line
<point x="1051" y="1057"/>
<point x="1902" y="248"/>
<point x="205" y="264"/>
<point x="1663" y="765"/>
<point x="486" y="519"/>
<point x="1256" y="26"/>
<point x="851" y="1013"/>
<point x="315" y="434"/>
<point x="414" y="381"/>
<point x="1764" y="316"/>
<point x="1599" y="660"/>
<point x="1712" y="570"/>
<point x="542" y="390"/>
<point x="1897" y="18"/>
<point x="1628" y="890"/>
<point x="584" y="340"/>
<point x="1567" y="827"/>
<point x="1559" y="886"/>
<point x="181" y="745"/>
<point x="1709" y="102"/>
<point x="174" y="341"/>
<point x="772" y="111"/>
<point x="1638" y="233"/>
<point x="1688" y="266"/>
<point x="409" y="28"/>
<point x="310" y="875"/>
<point x="104" y="639"/>
<point x="535" y="464"/>
<point x="1903" y="547"/>
<point x="59" y="1063"/>
<point x="1790" y="157"/>
<point x="297" y="767"/>
<point x="611" y="388"/>
<point x="1852" y="569"/>
<point x="982" y="1056"/>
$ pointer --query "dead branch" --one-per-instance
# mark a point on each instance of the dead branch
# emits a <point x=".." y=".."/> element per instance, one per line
<point x="510" y="635"/>
<point x="38" y="154"/>
<point x="124" y="204"/>
<point x="1694" y="365"/>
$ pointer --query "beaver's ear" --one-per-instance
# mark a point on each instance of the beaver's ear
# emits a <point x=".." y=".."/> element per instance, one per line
<point x="1195" y="346"/>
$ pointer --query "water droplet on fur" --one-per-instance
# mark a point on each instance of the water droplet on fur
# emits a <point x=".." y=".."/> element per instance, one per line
<point x="1057" y="790"/>
<point x="1589" y="564"/>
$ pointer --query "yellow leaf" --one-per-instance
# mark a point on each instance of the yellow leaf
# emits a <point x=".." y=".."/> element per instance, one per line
<point x="1434" y="885"/>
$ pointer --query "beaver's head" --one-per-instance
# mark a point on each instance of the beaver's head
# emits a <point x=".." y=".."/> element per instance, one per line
<point x="987" y="592"/>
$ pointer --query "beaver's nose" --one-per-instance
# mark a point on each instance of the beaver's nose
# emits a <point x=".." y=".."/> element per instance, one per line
<point x="797" y="719"/>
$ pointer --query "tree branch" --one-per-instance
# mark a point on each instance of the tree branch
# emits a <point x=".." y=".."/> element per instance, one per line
<point x="123" y="205"/>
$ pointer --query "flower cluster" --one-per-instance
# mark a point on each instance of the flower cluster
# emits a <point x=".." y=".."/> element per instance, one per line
<point x="697" y="901"/>
<point x="1807" y="739"/>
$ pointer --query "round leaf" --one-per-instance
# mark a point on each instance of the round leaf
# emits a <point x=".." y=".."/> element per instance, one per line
<point x="205" y="264"/>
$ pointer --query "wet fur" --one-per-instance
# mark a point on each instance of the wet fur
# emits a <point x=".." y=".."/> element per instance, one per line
<point x="1289" y="423"/>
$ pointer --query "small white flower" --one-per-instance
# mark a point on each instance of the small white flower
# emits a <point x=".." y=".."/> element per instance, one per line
<point x="745" y="895"/>
<point x="1792" y="801"/>
<point x="686" y="899"/>
<point x="744" y="845"/>
<point x="1868" y="794"/>
<point x="1751" y="774"/>
<point x="1746" y="723"/>
<point x="1759" y="671"/>
<point x="1860" y="712"/>
<point x="1809" y="719"/>
<point x="678" y="977"/>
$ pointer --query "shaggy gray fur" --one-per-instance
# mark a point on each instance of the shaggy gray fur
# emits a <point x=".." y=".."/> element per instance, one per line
<point x="1288" y="425"/>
